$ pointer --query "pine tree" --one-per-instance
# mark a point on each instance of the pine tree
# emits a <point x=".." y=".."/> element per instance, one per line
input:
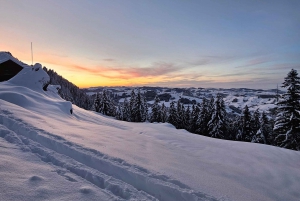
<point x="96" y="105"/>
<point x="180" y="115"/>
<point x="132" y="106"/>
<point x="218" y="124"/>
<point x="187" y="118"/>
<point x="145" y="109"/>
<point x="211" y="106"/>
<point x="119" y="112"/>
<point x="172" y="119"/>
<point x="193" y="119"/>
<point x="126" y="111"/>
<point x="156" y="111"/>
<point x="138" y="109"/>
<point x="255" y="123"/>
<point x="234" y="128"/>
<point x="287" y="122"/>
<point x="204" y="117"/>
<point x="164" y="113"/>
<point x="245" y="132"/>
<point x="262" y="135"/>
<point x="112" y="107"/>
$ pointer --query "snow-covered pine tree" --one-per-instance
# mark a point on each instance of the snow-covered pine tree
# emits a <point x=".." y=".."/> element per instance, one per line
<point x="287" y="122"/>
<point x="96" y="105"/>
<point x="138" y="108"/>
<point x="234" y="127"/>
<point x="262" y="135"/>
<point x="271" y="134"/>
<point x="112" y="107"/>
<point x="172" y="119"/>
<point x="180" y="115"/>
<point x="119" y="112"/>
<point x="194" y="118"/>
<point x="164" y="113"/>
<point x="145" y="109"/>
<point x="156" y="111"/>
<point x="255" y="123"/>
<point x="245" y="133"/>
<point x="126" y="111"/>
<point x="132" y="106"/>
<point x="211" y="106"/>
<point x="204" y="117"/>
<point x="104" y="103"/>
<point x="217" y="126"/>
<point x="187" y="118"/>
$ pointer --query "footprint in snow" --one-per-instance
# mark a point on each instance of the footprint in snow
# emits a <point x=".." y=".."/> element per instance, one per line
<point x="86" y="190"/>
<point x="36" y="178"/>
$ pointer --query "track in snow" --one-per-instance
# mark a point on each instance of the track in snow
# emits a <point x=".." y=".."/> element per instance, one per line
<point x="123" y="180"/>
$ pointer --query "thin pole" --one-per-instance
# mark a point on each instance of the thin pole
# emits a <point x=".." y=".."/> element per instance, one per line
<point x="31" y="55"/>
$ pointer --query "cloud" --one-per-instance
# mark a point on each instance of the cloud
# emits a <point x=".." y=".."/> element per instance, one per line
<point x="156" y="69"/>
<point x="284" y="66"/>
<point x="110" y="60"/>
<point x="204" y="60"/>
<point x="254" y="62"/>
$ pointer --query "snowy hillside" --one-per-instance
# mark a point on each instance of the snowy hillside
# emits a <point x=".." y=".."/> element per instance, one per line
<point x="53" y="150"/>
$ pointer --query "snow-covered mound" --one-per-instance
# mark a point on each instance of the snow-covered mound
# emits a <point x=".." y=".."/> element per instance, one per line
<point x="47" y="153"/>
<point x="28" y="90"/>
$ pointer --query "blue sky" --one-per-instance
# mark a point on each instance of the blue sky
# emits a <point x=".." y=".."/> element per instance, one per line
<point x="191" y="43"/>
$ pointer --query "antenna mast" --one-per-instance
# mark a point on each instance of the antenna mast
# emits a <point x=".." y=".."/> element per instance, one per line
<point x="31" y="55"/>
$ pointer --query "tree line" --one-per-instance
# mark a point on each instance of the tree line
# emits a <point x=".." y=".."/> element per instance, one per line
<point x="210" y="118"/>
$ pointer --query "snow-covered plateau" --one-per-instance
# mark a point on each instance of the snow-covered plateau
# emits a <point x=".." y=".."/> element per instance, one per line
<point x="53" y="150"/>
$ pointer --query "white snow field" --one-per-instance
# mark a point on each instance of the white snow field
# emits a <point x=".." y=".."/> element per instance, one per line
<point x="47" y="153"/>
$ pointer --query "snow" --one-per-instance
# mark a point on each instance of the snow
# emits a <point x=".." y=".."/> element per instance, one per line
<point x="49" y="153"/>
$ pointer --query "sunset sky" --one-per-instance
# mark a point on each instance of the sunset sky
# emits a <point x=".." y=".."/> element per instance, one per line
<point x="174" y="43"/>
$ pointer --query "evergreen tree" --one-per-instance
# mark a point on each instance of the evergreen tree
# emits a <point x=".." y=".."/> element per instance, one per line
<point x="126" y="111"/>
<point x="245" y="133"/>
<point x="156" y="111"/>
<point x="234" y="128"/>
<point x="145" y="109"/>
<point x="112" y="108"/>
<point x="193" y="119"/>
<point x="262" y="135"/>
<point x="204" y="117"/>
<point x="255" y="123"/>
<point x="119" y="112"/>
<point x="218" y="124"/>
<point x="96" y="105"/>
<point x="180" y="115"/>
<point x="104" y="103"/>
<point x="132" y="106"/>
<point x="211" y="107"/>
<point x="164" y="113"/>
<point x="138" y="109"/>
<point x="172" y="119"/>
<point x="187" y="118"/>
<point x="287" y="122"/>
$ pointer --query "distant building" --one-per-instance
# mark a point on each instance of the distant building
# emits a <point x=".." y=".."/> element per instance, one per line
<point x="8" y="69"/>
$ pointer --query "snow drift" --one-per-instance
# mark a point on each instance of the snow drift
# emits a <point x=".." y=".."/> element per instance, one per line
<point x="106" y="159"/>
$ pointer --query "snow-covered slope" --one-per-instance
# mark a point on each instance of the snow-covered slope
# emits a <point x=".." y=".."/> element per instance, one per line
<point x="49" y="153"/>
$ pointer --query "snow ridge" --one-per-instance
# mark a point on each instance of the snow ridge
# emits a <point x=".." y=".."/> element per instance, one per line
<point x="121" y="179"/>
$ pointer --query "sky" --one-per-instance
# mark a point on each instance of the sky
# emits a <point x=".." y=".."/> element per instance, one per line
<point x="172" y="43"/>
